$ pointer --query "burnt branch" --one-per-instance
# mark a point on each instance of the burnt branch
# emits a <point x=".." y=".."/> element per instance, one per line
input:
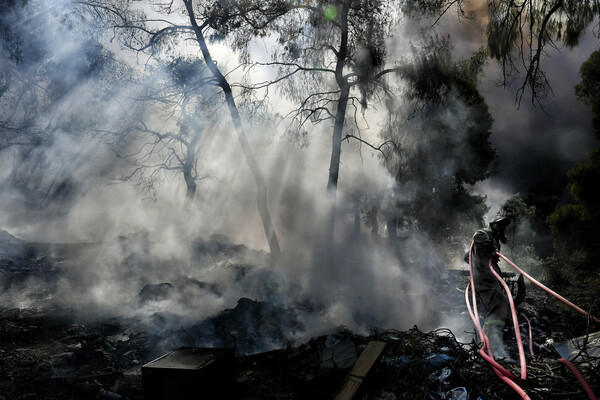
<point x="296" y="68"/>
<point x="450" y="4"/>
<point x="536" y="78"/>
<point x="376" y="148"/>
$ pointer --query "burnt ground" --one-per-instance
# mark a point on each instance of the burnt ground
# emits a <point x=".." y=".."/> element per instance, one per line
<point x="51" y="352"/>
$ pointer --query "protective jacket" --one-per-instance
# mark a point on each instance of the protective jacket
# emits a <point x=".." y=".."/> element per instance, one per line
<point x="493" y="303"/>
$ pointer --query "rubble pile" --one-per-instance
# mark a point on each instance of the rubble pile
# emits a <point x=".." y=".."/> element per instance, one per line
<point x="414" y="365"/>
<point x="49" y="351"/>
<point x="46" y="355"/>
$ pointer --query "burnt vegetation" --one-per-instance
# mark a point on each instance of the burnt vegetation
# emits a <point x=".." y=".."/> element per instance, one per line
<point x="290" y="180"/>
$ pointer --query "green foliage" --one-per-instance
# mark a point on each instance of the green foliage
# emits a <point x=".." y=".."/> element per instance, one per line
<point x="544" y="197"/>
<point x="449" y="214"/>
<point x="519" y="213"/>
<point x="468" y="70"/>
<point x="584" y="184"/>
<point x="425" y="8"/>
<point x="516" y="25"/>
<point x="309" y="34"/>
<point x="187" y="73"/>
<point x="445" y="143"/>
<point x="431" y="73"/>
<point x="572" y="19"/>
<point x="502" y="35"/>
<point x="588" y="90"/>
<point x="513" y="23"/>
<point x="240" y="21"/>
<point x="575" y="225"/>
<point x="575" y="242"/>
<point x="520" y="247"/>
<point x="520" y="32"/>
<point x="449" y="107"/>
<point x="433" y="76"/>
<point x="517" y="210"/>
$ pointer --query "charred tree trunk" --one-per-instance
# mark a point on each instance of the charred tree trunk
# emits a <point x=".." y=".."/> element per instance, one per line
<point x="189" y="173"/>
<point x="334" y="164"/>
<point x="340" y="117"/>
<point x="374" y="220"/>
<point x="392" y="222"/>
<point x="357" y="221"/>
<point x="189" y="177"/>
<point x="261" y="185"/>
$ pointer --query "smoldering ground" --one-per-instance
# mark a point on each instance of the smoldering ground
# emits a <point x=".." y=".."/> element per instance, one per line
<point x="361" y="283"/>
<point x="134" y="245"/>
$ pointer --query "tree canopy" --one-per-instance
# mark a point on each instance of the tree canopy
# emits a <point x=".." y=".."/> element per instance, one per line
<point x="444" y="145"/>
<point x="574" y="225"/>
<point x="37" y="92"/>
<point x="520" y="34"/>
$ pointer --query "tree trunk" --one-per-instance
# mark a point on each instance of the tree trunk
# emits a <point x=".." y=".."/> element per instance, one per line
<point x="374" y="220"/>
<point x="334" y="164"/>
<point x="261" y="185"/>
<point x="340" y="117"/>
<point x="357" y="221"/>
<point x="392" y="222"/>
<point x="190" y="181"/>
<point x="190" y="160"/>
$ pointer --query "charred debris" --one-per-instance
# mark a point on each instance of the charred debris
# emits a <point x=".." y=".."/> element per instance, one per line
<point x="49" y="350"/>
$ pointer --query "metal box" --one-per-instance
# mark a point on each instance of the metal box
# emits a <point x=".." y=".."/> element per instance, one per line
<point x="190" y="373"/>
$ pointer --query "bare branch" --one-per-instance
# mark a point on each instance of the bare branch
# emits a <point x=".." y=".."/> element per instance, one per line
<point x="450" y="4"/>
<point x="376" y="148"/>
<point x="534" y="67"/>
<point x="266" y="84"/>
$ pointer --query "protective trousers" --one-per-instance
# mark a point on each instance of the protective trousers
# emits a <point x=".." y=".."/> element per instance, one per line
<point x="493" y="303"/>
<point x="494" y="307"/>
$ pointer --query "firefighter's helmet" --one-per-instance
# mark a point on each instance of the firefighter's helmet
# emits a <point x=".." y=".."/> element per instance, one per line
<point x="498" y="219"/>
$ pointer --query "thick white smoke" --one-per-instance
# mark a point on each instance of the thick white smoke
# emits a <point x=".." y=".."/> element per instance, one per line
<point x="131" y="242"/>
<point x="212" y="252"/>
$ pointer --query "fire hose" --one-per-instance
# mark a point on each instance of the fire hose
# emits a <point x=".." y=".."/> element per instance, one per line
<point x="486" y="351"/>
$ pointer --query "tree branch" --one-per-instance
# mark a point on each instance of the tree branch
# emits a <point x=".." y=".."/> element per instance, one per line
<point x="376" y="148"/>
<point x="534" y="67"/>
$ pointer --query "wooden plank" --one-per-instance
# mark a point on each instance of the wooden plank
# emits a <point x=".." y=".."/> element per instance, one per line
<point x="350" y="387"/>
<point x="367" y="358"/>
<point x="359" y="371"/>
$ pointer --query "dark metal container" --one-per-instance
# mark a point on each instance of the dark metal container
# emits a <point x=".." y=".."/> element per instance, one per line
<point x="190" y="373"/>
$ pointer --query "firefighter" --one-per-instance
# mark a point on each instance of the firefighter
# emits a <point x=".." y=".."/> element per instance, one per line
<point x="491" y="297"/>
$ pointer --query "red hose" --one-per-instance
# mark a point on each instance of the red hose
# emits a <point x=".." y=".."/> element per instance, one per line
<point x="475" y="315"/>
<point x="486" y="351"/>
<point x="553" y="293"/>
<point x="586" y="386"/>
<point x="486" y="346"/>
<point x="530" y="335"/>
<point x="513" y="313"/>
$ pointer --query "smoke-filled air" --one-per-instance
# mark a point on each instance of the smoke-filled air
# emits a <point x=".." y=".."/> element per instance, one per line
<point x="306" y="165"/>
